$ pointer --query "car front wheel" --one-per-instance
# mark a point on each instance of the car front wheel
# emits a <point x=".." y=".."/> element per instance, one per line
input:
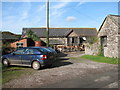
<point x="5" y="62"/>
<point x="36" y="65"/>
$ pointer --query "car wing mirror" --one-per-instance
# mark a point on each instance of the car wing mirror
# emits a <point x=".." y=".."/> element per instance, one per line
<point x="13" y="53"/>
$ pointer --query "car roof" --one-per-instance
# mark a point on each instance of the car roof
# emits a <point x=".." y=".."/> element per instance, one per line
<point x="32" y="47"/>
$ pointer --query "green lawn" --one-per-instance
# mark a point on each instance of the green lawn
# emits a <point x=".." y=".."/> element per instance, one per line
<point x="102" y="59"/>
<point x="9" y="73"/>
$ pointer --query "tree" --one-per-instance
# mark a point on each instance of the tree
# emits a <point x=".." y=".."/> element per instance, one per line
<point x="32" y="35"/>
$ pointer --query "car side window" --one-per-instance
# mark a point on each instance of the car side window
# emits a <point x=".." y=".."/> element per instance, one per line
<point x="29" y="51"/>
<point x="32" y="51"/>
<point x="19" y="51"/>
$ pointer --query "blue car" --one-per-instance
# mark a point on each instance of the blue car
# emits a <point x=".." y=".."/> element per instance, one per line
<point x="53" y="51"/>
<point x="35" y="57"/>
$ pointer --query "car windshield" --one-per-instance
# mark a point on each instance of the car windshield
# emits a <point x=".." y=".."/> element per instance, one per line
<point x="51" y="49"/>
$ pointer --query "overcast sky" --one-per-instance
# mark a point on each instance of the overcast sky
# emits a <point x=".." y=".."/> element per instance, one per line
<point x="18" y="15"/>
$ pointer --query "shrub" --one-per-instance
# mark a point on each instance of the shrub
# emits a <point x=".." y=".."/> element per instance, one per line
<point x="7" y="50"/>
<point x="92" y="40"/>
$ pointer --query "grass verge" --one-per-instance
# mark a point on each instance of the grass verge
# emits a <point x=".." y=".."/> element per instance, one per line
<point x="9" y="73"/>
<point x="102" y="59"/>
<point x="0" y="75"/>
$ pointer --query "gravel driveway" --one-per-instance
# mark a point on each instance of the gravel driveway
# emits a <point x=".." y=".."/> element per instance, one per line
<point x="62" y="70"/>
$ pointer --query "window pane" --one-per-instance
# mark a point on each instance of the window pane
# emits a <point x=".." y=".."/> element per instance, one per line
<point x="33" y="51"/>
<point x="19" y="45"/>
<point x="19" y="51"/>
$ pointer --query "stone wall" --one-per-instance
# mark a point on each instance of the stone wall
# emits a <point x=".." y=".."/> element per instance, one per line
<point x="118" y="46"/>
<point x="112" y="42"/>
<point x="110" y="29"/>
<point x="92" y="49"/>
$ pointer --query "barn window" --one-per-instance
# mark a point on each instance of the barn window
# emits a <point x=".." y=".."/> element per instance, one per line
<point x="18" y="45"/>
<point x="104" y="41"/>
<point x="69" y="40"/>
<point x="73" y="40"/>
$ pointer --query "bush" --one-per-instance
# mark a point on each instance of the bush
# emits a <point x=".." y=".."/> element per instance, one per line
<point x="7" y="50"/>
<point x="92" y="40"/>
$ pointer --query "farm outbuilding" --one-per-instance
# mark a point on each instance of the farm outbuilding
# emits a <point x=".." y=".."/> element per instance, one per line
<point x="65" y="35"/>
<point x="109" y="34"/>
<point x="25" y="42"/>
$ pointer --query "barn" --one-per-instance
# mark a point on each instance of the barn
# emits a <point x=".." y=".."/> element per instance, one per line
<point x="109" y="34"/>
<point x="63" y="36"/>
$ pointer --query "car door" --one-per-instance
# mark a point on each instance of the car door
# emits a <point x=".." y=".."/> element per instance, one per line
<point x="30" y="54"/>
<point x="16" y="56"/>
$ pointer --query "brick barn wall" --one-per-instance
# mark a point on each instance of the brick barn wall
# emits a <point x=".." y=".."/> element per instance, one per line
<point x="24" y="41"/>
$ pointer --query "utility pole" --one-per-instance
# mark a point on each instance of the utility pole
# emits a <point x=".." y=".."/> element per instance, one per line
<point x="47" y="22"/>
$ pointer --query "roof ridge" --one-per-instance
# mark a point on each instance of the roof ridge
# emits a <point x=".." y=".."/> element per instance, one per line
<point x="114" y="15"/>
<point x="116" y="22"/>
<point x="68" y="32"/>
<point x="59" y="28"/>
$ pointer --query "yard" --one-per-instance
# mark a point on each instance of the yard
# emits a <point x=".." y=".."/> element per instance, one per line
<point x="67" y="67"/>
<point x="14" y="72"/>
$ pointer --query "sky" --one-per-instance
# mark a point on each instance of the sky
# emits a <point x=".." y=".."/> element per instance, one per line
<point x="19" y="15"/>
